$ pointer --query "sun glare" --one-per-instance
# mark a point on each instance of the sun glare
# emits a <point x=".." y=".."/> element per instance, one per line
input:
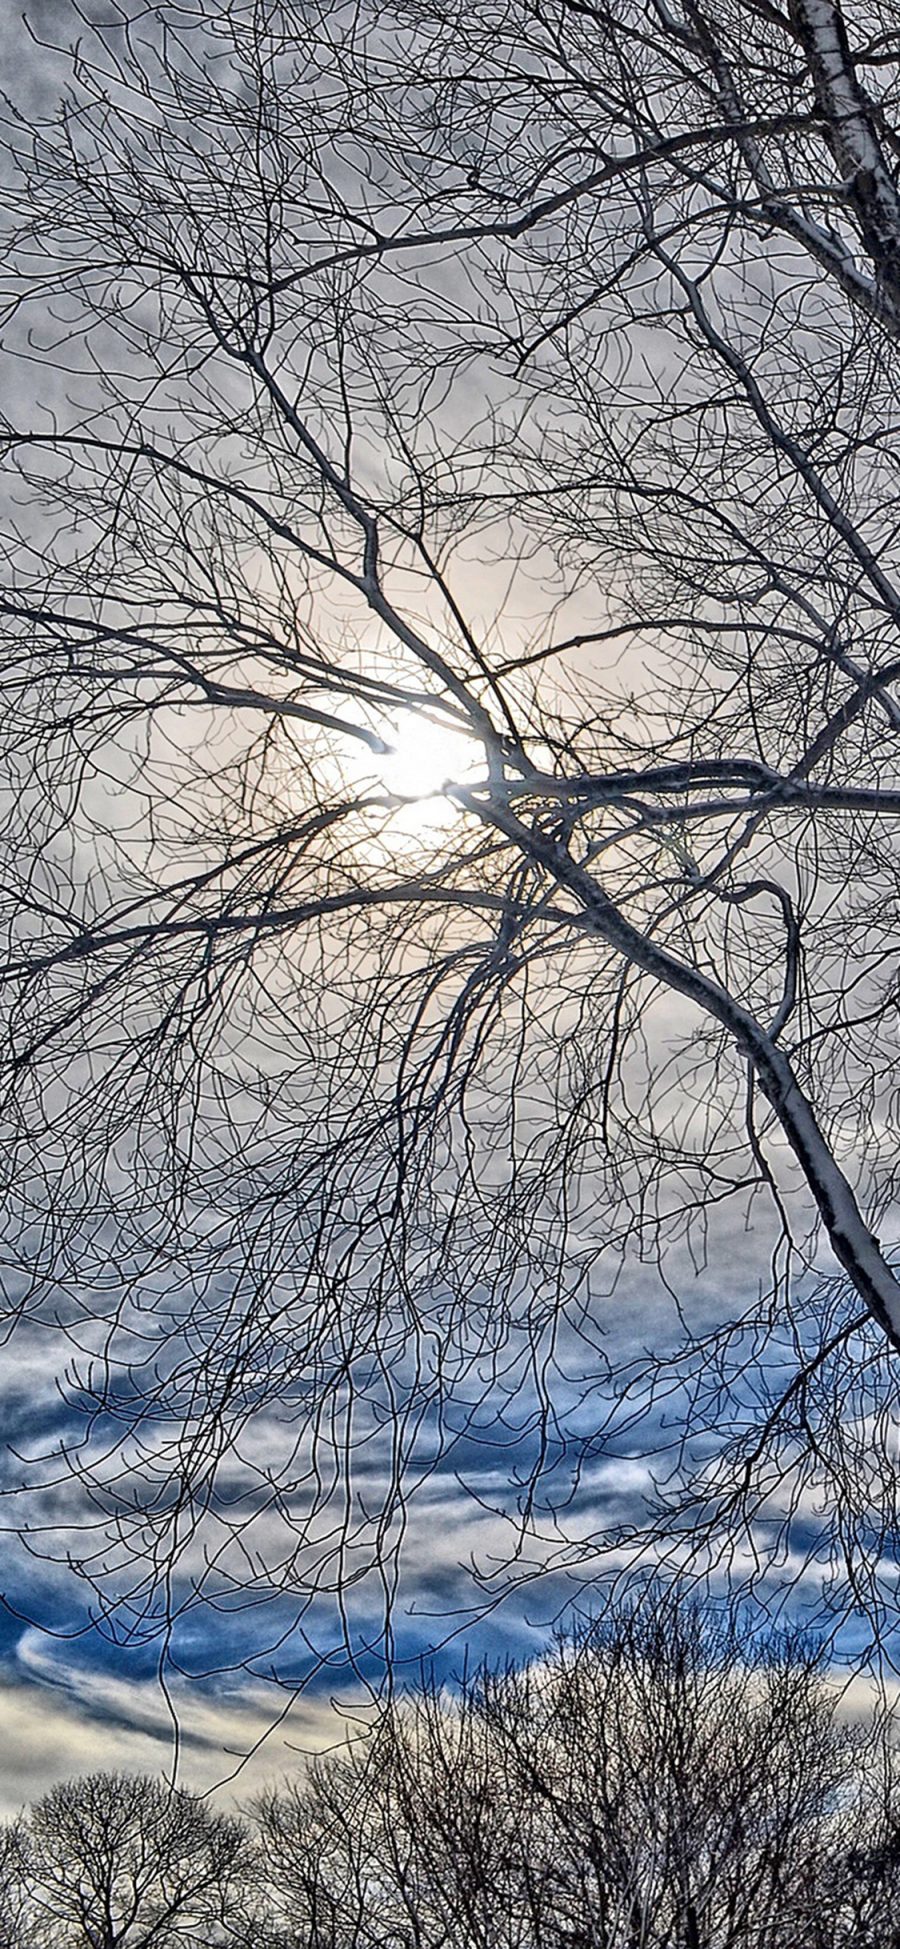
<point x="425" y="759"/>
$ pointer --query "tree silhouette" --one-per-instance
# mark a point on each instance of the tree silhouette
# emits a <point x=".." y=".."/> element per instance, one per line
<point x="641" y="1786"/>
<point x="116" y="1861"/>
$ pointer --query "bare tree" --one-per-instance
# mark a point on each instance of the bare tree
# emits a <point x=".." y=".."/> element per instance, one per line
<point x="514" y="390"/>
<point x="16" y="1918"/>
<point x="117" y="1861"/>
<point x="641" y="1786"/>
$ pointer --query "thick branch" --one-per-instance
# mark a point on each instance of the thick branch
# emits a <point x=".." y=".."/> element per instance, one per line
<point x="853" y="1244"/>
<point x="851" y="133"/>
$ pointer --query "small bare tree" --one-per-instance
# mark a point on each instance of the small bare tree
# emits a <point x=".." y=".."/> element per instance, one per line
<point x="16" y="1917"/>
<point x="517" y="394"/>
<point x="117" y="1861"/>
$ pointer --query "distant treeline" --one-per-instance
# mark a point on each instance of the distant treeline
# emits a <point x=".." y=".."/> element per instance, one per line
<point x="644" y="1786"/>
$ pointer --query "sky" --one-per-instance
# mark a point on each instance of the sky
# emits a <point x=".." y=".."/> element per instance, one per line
<point x="79" y="1684"/>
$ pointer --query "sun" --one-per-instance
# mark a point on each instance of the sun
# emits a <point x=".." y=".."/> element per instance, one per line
<point x="403" y="791"/>
<point x="425" y="758"/>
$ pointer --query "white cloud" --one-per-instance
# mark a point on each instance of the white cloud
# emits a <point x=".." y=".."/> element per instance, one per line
<point x="60" y="1720"/>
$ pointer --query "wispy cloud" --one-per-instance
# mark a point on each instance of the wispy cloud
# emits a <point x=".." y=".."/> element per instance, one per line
<point x="59" y="1718"/>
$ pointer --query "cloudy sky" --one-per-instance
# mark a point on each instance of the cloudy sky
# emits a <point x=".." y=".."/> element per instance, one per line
<point x="244" y="1319"/>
